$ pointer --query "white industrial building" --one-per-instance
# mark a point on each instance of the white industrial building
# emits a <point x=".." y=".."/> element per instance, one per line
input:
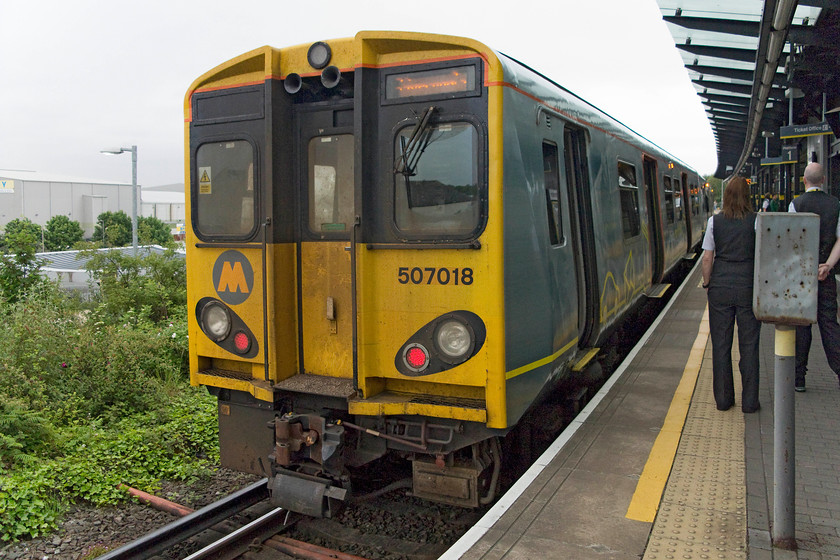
<point x="166" y="203"/>
<point x="40" y="196"/>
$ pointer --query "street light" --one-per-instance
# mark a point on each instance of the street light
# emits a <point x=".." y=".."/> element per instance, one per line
<point x="133" y="151"/>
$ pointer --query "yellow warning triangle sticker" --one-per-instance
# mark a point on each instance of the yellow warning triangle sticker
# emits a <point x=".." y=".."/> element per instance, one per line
<point x="204" y="178"/>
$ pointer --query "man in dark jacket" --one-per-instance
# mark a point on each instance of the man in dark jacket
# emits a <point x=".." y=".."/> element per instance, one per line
<point x="828" y="208"/>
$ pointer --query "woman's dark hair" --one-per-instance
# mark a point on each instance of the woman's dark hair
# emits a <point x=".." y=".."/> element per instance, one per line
<point x="736" y="198"/>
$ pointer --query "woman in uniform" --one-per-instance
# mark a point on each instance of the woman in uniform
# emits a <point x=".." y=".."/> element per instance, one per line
<point x="728" y="256"/>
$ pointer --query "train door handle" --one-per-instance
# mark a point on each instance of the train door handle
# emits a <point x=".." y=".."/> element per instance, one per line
<point x="331" y="315"/>
<point x="330" y="309"/>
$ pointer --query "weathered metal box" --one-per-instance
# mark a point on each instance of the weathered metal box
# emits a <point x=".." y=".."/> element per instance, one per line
<point x="457" y="486"/>
<point x="786" y="268"/>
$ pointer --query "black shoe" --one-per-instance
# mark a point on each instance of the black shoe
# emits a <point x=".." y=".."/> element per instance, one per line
<point x="751" y="410"/>
<point x="725" y="407"/>
<point x="799" y="384"/>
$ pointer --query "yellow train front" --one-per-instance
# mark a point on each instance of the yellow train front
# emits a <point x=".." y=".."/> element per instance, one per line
<point x="358" y="210"/>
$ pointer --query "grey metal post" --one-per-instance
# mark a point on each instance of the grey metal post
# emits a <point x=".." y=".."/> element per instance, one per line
<point x="134" y="199"/>
<point x="784" y="440"/>
<point x="785" y="293"/>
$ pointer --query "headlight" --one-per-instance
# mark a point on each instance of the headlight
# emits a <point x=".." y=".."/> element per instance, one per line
<point x="215" y="321"/>
<point x="443" y="343"/>
<point x="319" y="55"/>
<point x="453" y="339"/>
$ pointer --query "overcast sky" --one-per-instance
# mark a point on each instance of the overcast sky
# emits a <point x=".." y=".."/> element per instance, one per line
<point x="82" y="75"/>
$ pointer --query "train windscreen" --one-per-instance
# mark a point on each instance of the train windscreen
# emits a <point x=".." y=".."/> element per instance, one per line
<point x="438" y="191"/>
<point x="225" y="193"/>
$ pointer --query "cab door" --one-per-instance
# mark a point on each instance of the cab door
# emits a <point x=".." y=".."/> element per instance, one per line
<point x="654" y="221"/>
<point x="325" y="154"/>
<point x="576" y="161"/>
<point x="564" y="254"/>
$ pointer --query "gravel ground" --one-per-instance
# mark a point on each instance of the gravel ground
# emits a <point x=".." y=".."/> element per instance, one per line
<point x="86" y="529"/>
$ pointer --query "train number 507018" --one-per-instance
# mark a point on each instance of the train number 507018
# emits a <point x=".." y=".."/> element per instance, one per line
<point x="432" y="275"/>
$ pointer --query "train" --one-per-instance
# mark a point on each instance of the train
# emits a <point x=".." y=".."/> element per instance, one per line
<point x="399" y="244"/>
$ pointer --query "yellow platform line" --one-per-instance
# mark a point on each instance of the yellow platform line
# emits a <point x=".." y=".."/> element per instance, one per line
<point x="651" y="485"/>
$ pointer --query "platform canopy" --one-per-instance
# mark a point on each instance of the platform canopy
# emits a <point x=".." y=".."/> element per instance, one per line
<point x="747" y="58"/>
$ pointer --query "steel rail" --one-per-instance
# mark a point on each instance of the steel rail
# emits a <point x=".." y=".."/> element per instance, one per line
<point x="189" y="525"/>
<point x="232" y="545"/>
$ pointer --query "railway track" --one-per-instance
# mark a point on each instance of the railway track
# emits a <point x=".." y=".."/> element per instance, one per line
<point x="244" y="526"/>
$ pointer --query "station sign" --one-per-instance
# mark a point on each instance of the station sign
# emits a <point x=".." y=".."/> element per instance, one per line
<point x="801" y="130"/>
<point x="790" y="154"/>
<point x="7" y="186"/>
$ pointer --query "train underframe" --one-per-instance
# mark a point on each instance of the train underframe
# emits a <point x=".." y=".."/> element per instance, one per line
<point x="312" y="451"/>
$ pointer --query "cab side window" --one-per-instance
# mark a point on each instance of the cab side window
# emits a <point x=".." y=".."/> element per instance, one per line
<point x="551" y="174"/>
<point x="629" y="193"/>
<point x="669" y="200"/>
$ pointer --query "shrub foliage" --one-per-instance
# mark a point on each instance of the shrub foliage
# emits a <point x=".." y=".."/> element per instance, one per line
<point x="19" y="266"/>
<point x="62" y="233"/>
<point x="95" y="393"/>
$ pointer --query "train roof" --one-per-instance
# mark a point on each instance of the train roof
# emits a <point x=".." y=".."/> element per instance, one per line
<point x="519" y="72"/>
<point x="266" y="63"/>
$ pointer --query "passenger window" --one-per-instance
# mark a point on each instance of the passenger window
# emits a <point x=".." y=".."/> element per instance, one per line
<point x="669" y="200"/>
<point x="551" y="173"/>
<point x="629" y="193"/>
<point x="331" y="164"/>
<point x="678" y="199"/>
<point x="695" y="201"/>
<point x="437" y="180"/>
<point x="225" y="189"/>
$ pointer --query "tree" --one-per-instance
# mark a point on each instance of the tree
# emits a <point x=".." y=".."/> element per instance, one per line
<point x="62" y="233"/>
<point x="116" y="227"/>
<point x="152" y="231"/>
<point x="26" y="225"/>
<point x="19" y="267"/>
<point x="717" y="187"/>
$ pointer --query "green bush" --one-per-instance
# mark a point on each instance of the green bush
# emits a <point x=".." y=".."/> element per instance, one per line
<point x="153" y="286"/>
<point x="19" y="267"/>
<point x="23" y="225"/>
<point x="28" y="507"/>
<point x="24" y="434"/>
<point x="37" y="332"/>
<point x="61" y="233"/>
<point x="151" y="446"/>
<point x="96" y="394"/>
<point x="152" y="231"/>
<point x="112" y="229"/>
<point x="177" y="442"/>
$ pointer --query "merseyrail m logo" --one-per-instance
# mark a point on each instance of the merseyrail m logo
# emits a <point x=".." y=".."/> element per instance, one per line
<point x="233" y="277"/>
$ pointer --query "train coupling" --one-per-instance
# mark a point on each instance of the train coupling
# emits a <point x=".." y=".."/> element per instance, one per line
<point x="306" y="464"/>
<point x="309" y="495"/>
<point x="300" y="438"/>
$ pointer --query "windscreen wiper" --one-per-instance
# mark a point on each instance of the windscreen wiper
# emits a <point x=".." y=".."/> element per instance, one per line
<point x="413" y="146"/>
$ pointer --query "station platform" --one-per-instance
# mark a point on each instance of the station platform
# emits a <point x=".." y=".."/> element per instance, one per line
<point x="651" y="469"/>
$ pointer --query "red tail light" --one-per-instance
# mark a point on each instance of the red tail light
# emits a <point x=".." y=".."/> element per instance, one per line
<point x="416" y="357"/>
<point x="242" y="342"/>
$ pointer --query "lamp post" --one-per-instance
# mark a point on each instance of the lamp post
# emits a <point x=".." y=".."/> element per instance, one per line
<point x="133" y="151"/>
